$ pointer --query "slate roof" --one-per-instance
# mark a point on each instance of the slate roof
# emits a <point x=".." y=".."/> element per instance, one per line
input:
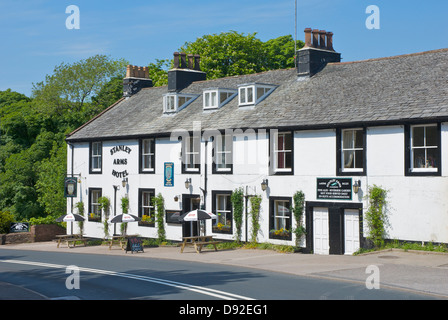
<point x="398" y="89"/>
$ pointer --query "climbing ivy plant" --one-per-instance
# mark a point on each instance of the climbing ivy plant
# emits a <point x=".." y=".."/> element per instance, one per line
<point x="299" y="205"/>
<point x="159" y="204"/>
<point x="255" y="202"/>
<point x="237" y="200"/>
<point x="376" y="215"/>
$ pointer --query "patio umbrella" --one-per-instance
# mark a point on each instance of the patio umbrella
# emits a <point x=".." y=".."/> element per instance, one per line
<point x="125" y="217"/>
<point x="197" y="215"/>
<point x="70" y="217"/>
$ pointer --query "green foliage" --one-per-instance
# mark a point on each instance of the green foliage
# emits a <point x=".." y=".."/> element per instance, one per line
<point x="72" y="85"/>
<point x="6" y="219"/>
<point x="158" y="72"/>
<point x="44" y="220"/>
<point x="237" y="199"/>
<point x="231" y="53"/>
<point x="376" y="216"/>
<point x="124" y="204"/>
<point x="32" y="147"/>
<point x="50" y="182"/>
<point x="299" y="205"/>
<point x="104" y="204"/>
<point x="159" y="204"/>
<point x="255" y="214"/>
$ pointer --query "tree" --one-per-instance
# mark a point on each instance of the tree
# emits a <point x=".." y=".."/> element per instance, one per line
<point x="231" y="53"/>
<point x="50" y="183"/>
<point x="71" y="86"/>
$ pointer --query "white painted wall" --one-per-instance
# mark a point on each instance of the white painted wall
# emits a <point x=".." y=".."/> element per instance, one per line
<point x="417" y="205"/>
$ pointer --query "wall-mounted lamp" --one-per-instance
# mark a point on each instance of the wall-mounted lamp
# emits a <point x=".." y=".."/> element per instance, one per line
<point x="124" y="182"/>
<point x="187" y="183"/>
<point x="176" y="198"/>
<point x="264" y="184"/>
<point x="356" y="186"/>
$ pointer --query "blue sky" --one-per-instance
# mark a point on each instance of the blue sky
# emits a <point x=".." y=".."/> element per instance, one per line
<point x="35" y="39"/>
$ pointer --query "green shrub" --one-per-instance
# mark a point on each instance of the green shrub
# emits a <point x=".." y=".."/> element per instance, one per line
<point x="5" y="221"/>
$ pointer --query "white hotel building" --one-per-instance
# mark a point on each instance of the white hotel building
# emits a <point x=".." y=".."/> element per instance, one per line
<point x="375" y="122"/>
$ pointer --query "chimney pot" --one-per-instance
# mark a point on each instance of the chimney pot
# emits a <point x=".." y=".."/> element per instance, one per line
<point x="322" y="34"/>
<point x="128" y="71"/>
<point x="308" y="38"/>
<point x="176" y="60"/>
<point x="190" y="61"/>
<point x="183" y="60"/>
<point x="330" y="41"/>
<point x="197" y="62"/>
<point x="315" y="38"/>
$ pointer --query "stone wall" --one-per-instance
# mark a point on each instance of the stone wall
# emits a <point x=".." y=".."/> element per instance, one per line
<point x="39" y="233"/>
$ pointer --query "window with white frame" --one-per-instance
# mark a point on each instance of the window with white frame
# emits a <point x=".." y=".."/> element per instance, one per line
<point x="424" y="148"/>
<point x="280" y="218"/>
<point x="174" y="102"/>
<point x="222" y="146"/>
<point x="254" y="93"/>
<point x="191" y="154"/>
<point x="96" y="154"/>
<point x="94" y="205"/>
<point x="146" y="208"/>
<point x="352" y="150"/>
<point x="216" y="98"/>
<point x="282" y="152"/>
<point x="222" y="207"/>
<point x="147" y="155"/>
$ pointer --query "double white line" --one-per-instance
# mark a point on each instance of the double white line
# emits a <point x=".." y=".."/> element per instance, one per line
<point x="179" y="285"/>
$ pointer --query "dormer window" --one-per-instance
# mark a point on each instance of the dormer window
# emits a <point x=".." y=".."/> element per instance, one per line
<point x="254" y="93"/>
<point x="174" y="102"/>
<point x="217" y="97"/>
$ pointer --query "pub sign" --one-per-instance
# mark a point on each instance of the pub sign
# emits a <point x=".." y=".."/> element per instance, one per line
<point x="70" y="188"/>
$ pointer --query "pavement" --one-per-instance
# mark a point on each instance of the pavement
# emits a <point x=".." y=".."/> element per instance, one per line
<point x="417" y="271"/>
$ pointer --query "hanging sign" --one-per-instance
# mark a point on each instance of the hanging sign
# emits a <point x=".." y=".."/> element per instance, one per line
<point x="169" y="174"/>
<point x="334" y="188"/>
<point x="70" y="189"/>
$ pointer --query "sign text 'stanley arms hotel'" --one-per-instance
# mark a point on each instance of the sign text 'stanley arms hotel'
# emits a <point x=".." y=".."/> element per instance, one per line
<point x="321" y="128"/>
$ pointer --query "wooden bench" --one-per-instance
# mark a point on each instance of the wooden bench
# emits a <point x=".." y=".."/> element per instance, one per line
<point x="198" y="242"/>
<point x="119" y="240"/>
<point x="71" y="239"/>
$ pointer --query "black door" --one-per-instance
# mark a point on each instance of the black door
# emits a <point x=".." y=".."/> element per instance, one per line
<point x="335" y="230"/>
<point x="190" y="202"/>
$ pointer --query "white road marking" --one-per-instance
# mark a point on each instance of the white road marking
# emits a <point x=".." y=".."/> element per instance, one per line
<point x="202" y="290"/>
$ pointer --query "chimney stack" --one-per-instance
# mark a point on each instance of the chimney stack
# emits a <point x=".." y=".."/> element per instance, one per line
<point x="185" y="71"/>
<point x="317" y="52"/>
<point x="136" y="79"/>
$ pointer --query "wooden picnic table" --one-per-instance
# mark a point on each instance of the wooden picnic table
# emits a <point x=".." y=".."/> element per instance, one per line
<point x="198" y="242"/>
<point x="71" y="238"/>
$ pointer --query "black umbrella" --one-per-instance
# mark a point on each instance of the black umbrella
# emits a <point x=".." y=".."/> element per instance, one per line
<point x="197" y="215"/>
<point x="125" y="217"/>
<point x="70" y="218"/>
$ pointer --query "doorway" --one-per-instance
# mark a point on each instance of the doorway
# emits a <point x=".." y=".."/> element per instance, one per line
<point x="190" y="202"/>
<point x="334" y="228"/>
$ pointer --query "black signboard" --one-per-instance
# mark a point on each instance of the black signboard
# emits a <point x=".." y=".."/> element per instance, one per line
<point x="70" y="189"/>
<point x="134" y="245"/>
<point x="19" y="227"/>
<point x="334" y="188"/>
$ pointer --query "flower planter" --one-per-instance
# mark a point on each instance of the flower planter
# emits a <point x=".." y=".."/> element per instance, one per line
<point x="146" y="224"/>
